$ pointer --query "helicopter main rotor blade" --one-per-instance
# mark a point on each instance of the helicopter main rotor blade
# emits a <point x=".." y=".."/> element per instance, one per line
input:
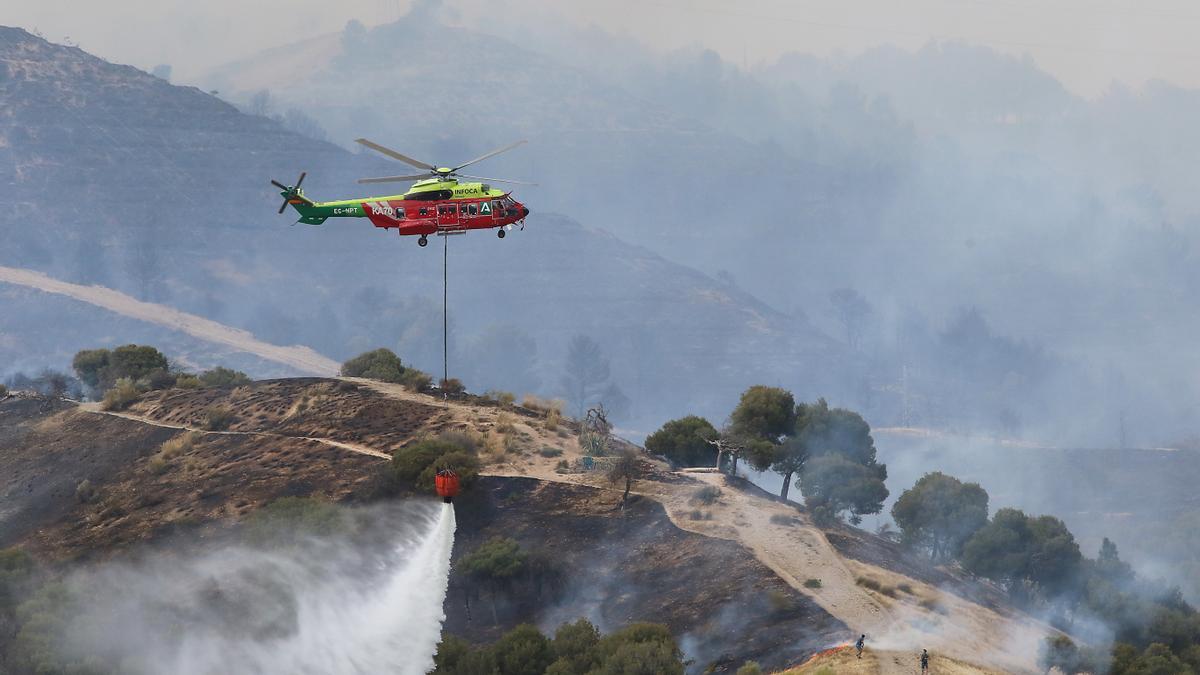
<point x="490" y="154"/>
<point x="279" y="185"/>
<point x="394" y="155"/>
<point x="393" y="179"/>
<point x="283" y="206"/>
<point x="494" y="180"/>
<point x="301" y="180"/>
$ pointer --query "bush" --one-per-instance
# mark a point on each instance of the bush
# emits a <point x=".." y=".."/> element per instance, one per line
<point x="553" y="419"/>
<point x="121" y="395"/>
<point x="504" y="423"/>
<point x="218" y="418"/>
<point x="781" y="519"/>
<point x="504" y="398"/>
<point x="84" y="491"/>
<point x="707" y="495"/>
<point x="812" y="583"/>
<point x="223" y="377"/>
<point x="905" y="587"/>
<point x="563" y="465"/>
<point x="418" y="463"/>
<point x="750" y="668"/>
<point x="178" y="445"/>
<point x="380" y="364"/>
<point x="550" y="452"/>
<point x="452" y="386"/>
<point x="187" y="381"/>
<point x="780" y="601"/>
<point x="869" y="583"/>
<point x="416" y="380"/>
<point x="3" y="391"/>
<point x="158" y="465"/>
<point x="685" y="442"/>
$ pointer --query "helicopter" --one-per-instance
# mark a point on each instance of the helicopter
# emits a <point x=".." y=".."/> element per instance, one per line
<point x="437" y="203"/>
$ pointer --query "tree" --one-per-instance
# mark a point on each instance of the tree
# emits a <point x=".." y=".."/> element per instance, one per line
<point x="941" y="513"/>
<point x="833" y="484"/>
<point x="852" y="311"/>
<point x="89" y="365"/>
<point x="587" y="373"/>
<point x="379" y="364"/>
<point x="627" y="467"/>
<point x="1015" y="548"/>
<point x="495" y="564"/>
<point x="640" y="649"/>
<point x="789" y="460"/>
<point x="575" y="647"/>
<point x="766" y="413"/>
<point x="418" y="463"/>
<point x="223" y="377"/>
<point x="685" y="441"/>
<point x="523" y="651"/>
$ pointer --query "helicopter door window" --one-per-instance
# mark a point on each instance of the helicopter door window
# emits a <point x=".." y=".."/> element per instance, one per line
<point x="400" y="213"/>
<point x="472" y="208"/>
<point x="424" y="211"/>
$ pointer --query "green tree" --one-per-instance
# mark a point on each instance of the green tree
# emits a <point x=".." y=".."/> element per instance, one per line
<point x="223" y="377"/>
<point x="640" y="649"/>
<point x="135" y="362"/>
<point x="495" y="565"/>
<point x="523" y="651"/>
<point x="89" y="366"/>
<point x="766" y="413"/>
<point x="1015" y="548"/>
<point x="833" y="484"/>
<point x="417" y="464"/>
<point x="685" y="441"/>
<point x="379" y="364"/>
<point x="941" y="513"/>
<point x="576" y="647"/>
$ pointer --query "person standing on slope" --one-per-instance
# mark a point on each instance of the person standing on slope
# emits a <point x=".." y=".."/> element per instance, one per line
<point x="924" y="660"/>
<point x="862" y="639"/>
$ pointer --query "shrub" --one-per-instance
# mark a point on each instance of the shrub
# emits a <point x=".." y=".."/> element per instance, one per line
<point x="223" y="377"/>
<point x="553" y="418"/>
<point x="869" y="583"/>
<point x="418" y="463"/>
<point x="781" y="519"/>
<point x="416" y="380"/>
<point x="905" y="587"/>
<point x="178" y="445"/>
<point x="750" y="668"/>
<point x="452" y="386"/>
<point x="932" y="605"/>
<point x="504" y="398"/>
<point x="696" y="514"/>
<point x="707" y="495"/>
<point x="84" y="491"/>
<point x="123" y="393"/>
<point x="187" y="381"/>
<point x="685" y="442"/>
<point x="812" y="583"/>
<point x="218" y="418"/>
<point x="563" y="465"/>
<point x="780" y="601"/>
<point x="158" y="380"/>
<point x="3" y="391"/>
<point x="380" y="364"/>
<point x="550" y="452"/>
<point x="504" y="423"/>
<point x="158" y="464"/>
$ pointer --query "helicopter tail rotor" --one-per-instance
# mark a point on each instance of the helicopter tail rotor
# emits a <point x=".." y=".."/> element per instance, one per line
<point x="292" y="193"/>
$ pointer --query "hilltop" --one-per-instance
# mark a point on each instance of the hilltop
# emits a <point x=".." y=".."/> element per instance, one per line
<point x="728" y="577"/>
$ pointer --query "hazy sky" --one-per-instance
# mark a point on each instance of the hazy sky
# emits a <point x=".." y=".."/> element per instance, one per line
<point x="1085" y="43"/>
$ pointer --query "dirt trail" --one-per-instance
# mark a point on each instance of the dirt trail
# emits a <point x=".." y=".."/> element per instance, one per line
<point x="351" y="447"/>
<point x="303" y="359"/>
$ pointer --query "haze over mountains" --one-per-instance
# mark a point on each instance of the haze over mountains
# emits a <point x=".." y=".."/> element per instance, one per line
<point x="930" y="182"/>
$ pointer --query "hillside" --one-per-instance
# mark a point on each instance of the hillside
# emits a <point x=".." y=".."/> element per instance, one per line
<point x="171" y="204"/>
<point x="743" y="559"/>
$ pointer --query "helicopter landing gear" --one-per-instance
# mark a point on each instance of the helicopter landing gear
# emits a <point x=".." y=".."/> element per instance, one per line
<point x="423" y="241"/>
<point x="500" y="233"/>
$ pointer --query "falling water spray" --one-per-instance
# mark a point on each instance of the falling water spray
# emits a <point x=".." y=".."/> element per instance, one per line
<point x="367" y="602"/>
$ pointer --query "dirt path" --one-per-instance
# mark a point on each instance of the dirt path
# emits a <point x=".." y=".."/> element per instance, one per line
<point x="303" y="359"/>
<point x="94" y="408"/>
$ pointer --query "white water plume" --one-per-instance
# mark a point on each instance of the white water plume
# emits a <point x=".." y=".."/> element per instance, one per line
<point x="365" y="602"/>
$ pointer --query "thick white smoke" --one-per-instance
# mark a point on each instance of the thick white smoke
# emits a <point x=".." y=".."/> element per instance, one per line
<point x="343" y="604"/>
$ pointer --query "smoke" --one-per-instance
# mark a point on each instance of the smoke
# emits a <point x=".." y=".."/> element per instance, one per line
<point x="366" y="603"/>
